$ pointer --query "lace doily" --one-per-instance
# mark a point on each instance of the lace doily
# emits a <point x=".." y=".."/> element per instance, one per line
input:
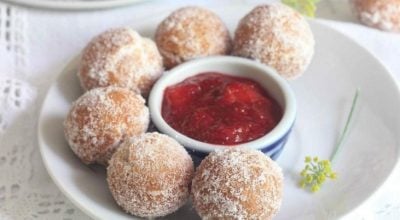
<point x="26" y="191"/>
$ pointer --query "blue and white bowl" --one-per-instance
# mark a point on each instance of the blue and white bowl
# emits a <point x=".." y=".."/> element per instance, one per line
<point x="271" y="143"/>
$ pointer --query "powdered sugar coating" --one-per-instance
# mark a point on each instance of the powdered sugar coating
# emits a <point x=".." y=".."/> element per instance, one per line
<point x="150" y="175"/>
<point x="123" y="58"/>
<point x="277" y="36"/>
<point x="189" y="33"/>
<point x="237" y="184"/>
<point x="101" y="119"/>
<point x="381" y="14"/>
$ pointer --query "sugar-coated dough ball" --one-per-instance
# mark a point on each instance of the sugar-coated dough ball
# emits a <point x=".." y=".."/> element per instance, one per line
<point x="237" y="184"/>
<point x="382" y="14"/>
<point x="278" y="36"/>
<point x="101" y="119"/>
<point x="189" y="33"/>
<point x="120" y="57"/>
<point x="150" y="175"/>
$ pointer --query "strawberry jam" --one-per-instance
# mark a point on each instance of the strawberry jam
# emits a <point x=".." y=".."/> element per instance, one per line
<point x="220" y="109"/>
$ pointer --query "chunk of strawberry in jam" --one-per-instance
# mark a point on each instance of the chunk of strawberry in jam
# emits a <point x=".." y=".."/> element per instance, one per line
<point x="200" y="118"/>
<point x="179" y="97"/>
<point x="241" y="92"/>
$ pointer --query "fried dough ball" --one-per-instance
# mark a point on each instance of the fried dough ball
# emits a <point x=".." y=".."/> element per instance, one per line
<point x="120" y="57"/>
<point x="101" y="119"/>
<point x="237" y="184"/>
<point x="189" y="33"/>
<point x="278" y="36"/>
<point x="381" y="14"/>
<point x="150" y="175"/>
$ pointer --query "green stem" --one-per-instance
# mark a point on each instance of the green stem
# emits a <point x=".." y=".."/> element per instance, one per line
<point x="346" y="127"/>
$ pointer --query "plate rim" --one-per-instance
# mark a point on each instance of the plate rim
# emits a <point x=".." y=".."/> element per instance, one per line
<point x="75" y="5"/>
<point x="314" y="21"/>
<point x="40" y="140"/>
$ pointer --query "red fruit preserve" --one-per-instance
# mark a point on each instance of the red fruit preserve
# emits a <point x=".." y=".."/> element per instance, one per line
<point x="220" y="109"/>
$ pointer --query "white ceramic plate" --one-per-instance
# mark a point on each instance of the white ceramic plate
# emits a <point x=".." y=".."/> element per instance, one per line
<point x="324" y="96"/>
<point x="75" y="4"/>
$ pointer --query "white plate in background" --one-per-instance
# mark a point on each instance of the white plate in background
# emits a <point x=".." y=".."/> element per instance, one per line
<point x="75" y="4"/>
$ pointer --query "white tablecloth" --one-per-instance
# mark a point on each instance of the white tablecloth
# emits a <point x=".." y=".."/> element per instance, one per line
<point x="36" y="44"/>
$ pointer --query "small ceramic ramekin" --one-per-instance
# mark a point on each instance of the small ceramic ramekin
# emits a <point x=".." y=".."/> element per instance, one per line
<point x="271" y="143"/>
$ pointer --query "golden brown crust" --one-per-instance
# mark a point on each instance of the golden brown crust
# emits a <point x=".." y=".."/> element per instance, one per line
<point x="149" y="176"/>
<point x="189" y="33"/>
<point x="381" y="14"/>
<point x="101" y="119"/>
<point x="278" y="36"/>
<point x="120" y="57"/>
<point x="237" y="184"/>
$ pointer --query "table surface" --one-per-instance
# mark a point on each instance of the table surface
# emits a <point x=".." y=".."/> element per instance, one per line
<point x="32" y="46"/>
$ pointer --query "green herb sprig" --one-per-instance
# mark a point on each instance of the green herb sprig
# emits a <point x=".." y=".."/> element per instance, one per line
<point x="305" y="7"/>
<point x="317" y="171"/>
